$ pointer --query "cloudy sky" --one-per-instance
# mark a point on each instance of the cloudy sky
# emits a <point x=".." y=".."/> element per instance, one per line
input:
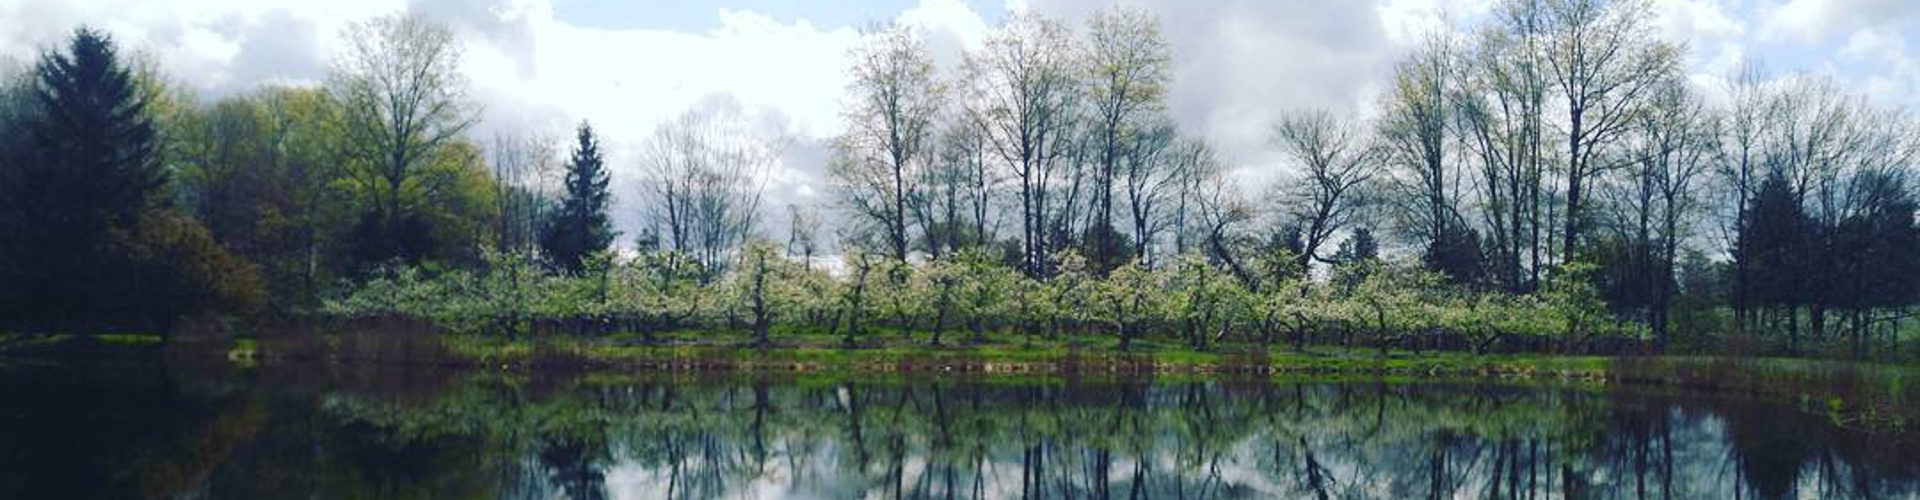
<point x="627" y="65"/>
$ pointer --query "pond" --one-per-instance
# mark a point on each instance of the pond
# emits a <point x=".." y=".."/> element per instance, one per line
<point x="198" y="430"/>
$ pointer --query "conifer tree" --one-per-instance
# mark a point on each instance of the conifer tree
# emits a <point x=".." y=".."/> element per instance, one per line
<point x="580" y="227"/>
<point x="87" y="171"/>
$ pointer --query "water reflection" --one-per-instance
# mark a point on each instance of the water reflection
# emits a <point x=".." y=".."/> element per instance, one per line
<point x="165" y="431"/>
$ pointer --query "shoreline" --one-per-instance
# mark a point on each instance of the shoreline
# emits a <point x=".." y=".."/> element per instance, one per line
<point x="1872" y="397"/>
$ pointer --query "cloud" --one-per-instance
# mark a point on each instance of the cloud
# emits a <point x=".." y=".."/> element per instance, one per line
<point x="1237" y="63"/>
<point x="506" y="24"/>
<point x="1814" y="20"/>
<point x="1697" y="20"/>
<point x="950" y="28"/>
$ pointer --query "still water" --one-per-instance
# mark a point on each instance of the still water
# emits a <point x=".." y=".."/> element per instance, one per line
<point x="185" y="430"/>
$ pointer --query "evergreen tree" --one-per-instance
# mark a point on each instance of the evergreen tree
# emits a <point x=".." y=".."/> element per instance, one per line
<point x="580" y="228"/>
<point x="1773" y="246"/>
<point x="1880" y="266"/>
<point x="1455" y="253"/>
<point x="86" y="173"/>
<point x="1358" y="248"/>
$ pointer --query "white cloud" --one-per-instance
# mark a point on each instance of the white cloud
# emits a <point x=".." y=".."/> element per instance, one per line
<point x="1410" y="21"/>
<point x="1237" y="63"/>
<point x="1815" y="20"/>
<point x="951" y="28"/>
<point x="1696" y="20"/>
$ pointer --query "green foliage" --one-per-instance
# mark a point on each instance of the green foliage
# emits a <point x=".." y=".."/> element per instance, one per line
<point x="580" y="227"/>
<point x="1389" y="304"/>
<point x="92" y="243"/>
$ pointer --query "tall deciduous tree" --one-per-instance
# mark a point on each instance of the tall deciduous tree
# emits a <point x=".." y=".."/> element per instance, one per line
<point x="1022" y="94"/>
<point x="705" y="177"/>
<point x="1335" y="158"/>
<point x="1605" y="61"/>
<point x="1499" y="110"/>
<point x="522" y="165"/>
<point x="580" y="227"/>
<point x="1128" y="64"/>
<point x="402" y="102"/>
<point x="896" y="96"/>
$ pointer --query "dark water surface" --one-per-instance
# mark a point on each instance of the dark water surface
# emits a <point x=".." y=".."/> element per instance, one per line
<point x="178" y="430"/>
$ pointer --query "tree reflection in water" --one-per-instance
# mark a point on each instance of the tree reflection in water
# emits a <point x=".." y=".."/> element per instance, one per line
<point x="332" y="432"/>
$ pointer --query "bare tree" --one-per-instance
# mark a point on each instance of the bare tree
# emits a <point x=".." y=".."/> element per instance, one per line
<point x="705" y="177"/>
<point x="1605" y="61"/>
<point x="1742" y="147"/>
<point x="402" y="99"/>
<point x="803" y="231"/>
<point x="956" y="198"/>
<point x="1022" y="96"/>
<point x="1668" y="151"/>
<point x="1334" y="158"/>
<point x="1191" y="169"/>
<point x="896" y="98"/>
<point x="1219" y="208"/>
<point x="523" y="169"/>
<point x="1128" y="65"/>
<point x="1150" y="174"/>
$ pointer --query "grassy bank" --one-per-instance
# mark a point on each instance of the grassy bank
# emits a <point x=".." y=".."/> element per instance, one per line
<point x="1870" y="397"/>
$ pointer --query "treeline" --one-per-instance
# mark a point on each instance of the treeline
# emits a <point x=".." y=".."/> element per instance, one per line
<point x="129" y="203"/>
<point x="1756" y="214"/>
<point x="1548" y="174"/>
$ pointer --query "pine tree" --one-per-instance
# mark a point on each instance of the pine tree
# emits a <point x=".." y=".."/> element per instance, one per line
<point x="1358" y="248"/>
<point x="1773" y="244"/>
<point x="580" y="227"/>
<point x="1456" y="253"/>
<point x="87" y="172"/>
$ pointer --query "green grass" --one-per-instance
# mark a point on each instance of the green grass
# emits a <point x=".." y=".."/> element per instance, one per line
<point x="129" y="339"/>
<point x="1872" y="397"/>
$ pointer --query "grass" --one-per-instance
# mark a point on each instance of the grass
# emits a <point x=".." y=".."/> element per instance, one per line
<point x="1013" y="355"/>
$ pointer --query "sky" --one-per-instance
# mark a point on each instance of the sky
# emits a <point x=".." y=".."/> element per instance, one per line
<point x="541" y="66"/>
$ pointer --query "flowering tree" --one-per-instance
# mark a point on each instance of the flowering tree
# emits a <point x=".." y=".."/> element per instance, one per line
<point x="1204" y="299"/>
<point x="1130" y="297"/>
<point x="763" y="285"/>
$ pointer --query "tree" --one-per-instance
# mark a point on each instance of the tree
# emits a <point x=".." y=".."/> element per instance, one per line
<point x="955" y="206"/>
<point x="402" y="103"/>
<point x="1774" y="241"/>
<point x="522" y="165"/>
<point x="1357" y="248"/>
<point x="762" y="283"/>
<point x="1335" y="158"/>
<point x="580" y="227"/>
<point x="1155" y="163"/>
<point x="1606" y="62"/>
<point x="1129" y="65"/>
<point x="1414" y="136"/>
<point x="896" y="97"/>
<point x="1883" y="239"/>
<point x="252" y="170"/>
<point x="1499" y="112"/>
<point x="705" y="177"/>
<point x="1670" y="146"/>
<point x="1129" y="298"/>
<point x="1023" y="91"/>
<point x="86" y="173"/>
